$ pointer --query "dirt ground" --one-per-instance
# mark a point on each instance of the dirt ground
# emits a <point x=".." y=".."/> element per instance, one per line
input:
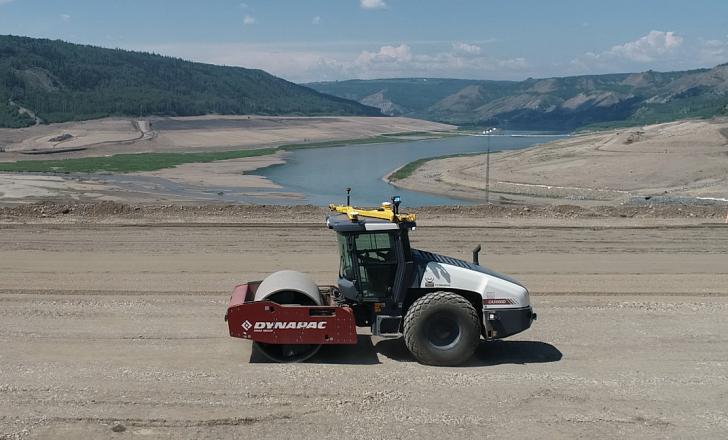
<point x="112" y="327"/>
<point x="677" y="159"/>
<point x="194" y="133"/>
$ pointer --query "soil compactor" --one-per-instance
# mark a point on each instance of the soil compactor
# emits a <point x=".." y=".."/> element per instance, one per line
<point x="441" y="305"/>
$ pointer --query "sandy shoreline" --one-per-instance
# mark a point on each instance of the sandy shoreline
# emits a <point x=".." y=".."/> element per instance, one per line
<point x="198" y="133"/>
<point x="685" y="159"/>
<point x="227" y="173"/>
<point x="184" y="134"/>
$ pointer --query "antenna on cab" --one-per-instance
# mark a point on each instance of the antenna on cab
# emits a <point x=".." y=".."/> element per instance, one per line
<point x="396" y="200"/>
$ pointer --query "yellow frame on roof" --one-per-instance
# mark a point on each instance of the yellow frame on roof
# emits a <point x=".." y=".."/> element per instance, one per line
<point x="385" y="212"/>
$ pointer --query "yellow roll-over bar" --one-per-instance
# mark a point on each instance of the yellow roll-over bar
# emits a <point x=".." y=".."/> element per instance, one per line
<point x="385" y="212"/>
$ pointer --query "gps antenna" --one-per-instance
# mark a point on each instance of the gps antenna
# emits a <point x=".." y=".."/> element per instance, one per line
<point x="396" y="200"/>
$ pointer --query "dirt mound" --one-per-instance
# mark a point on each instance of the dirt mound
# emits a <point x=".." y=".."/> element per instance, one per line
<point x="95" y="211"/>
<point x="55" y="209"/>
<point x="571" y="211"/>
<point x="92" y="211"/>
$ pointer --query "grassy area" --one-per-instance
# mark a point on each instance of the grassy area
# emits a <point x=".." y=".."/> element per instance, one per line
<point x="407" y="170"/>
<point x="126" y="163"/>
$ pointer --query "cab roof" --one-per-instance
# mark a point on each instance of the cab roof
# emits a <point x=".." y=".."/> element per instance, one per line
<point x="342" y="223"/>
<point x="384" y="218"/>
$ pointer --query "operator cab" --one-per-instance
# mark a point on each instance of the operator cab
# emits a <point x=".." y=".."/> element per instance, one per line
<point x="374" y="252"/>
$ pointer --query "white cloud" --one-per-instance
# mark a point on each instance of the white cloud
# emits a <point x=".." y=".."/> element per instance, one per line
<point x="65" y="17"/>
<point x="402" y="61"/>
<point x="3" y="2"/>
<point x="647" y="48"/>
<point x="657" y="49"/>
<point x="372" y="4"/>
<point x="712" y="52"/>
<point x="243" y="6"/>
<point x="316" y="20"/>
<point x="303" y="63"/>
<point x="465" y="48"/>
<point x="386" y="54"/>
<point x="249" y="19"/>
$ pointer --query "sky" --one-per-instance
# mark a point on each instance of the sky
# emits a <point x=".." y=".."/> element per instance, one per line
<point x="318" y="40"/>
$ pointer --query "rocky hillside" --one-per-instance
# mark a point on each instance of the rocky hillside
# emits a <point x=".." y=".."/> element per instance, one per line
<point x="551" y="103"/>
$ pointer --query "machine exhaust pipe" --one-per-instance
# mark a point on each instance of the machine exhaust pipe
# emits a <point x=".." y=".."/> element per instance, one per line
<point x="476" y="260"/>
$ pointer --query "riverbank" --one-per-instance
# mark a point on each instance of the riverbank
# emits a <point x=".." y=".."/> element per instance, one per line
<point x="209" y="154"/>
<point x="104" y="212"/>
<point x="680" y="161"/>
<point x="112" y="136"/>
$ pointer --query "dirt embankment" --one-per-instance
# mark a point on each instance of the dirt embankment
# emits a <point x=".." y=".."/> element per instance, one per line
<point x="104" y="212"/>
<point x="684" y="160"/>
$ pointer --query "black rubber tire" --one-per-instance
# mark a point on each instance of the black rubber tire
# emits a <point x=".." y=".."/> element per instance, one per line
<point x="442" y="328"/>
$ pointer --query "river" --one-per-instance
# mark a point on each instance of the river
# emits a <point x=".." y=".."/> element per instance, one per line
<point x="323" y="174"/>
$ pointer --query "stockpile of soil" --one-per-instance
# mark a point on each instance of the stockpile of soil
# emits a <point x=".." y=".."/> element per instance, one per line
<point x="571" y="211"/>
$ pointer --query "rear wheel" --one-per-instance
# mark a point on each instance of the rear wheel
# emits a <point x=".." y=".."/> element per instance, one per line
<point x="442" y="328"/>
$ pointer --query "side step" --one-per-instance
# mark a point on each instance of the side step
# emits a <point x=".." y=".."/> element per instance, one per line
<point x="387" y="326"/>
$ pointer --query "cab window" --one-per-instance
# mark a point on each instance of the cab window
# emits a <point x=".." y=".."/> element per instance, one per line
<point x="377" y="260"/>
<point x="345" y="264"/>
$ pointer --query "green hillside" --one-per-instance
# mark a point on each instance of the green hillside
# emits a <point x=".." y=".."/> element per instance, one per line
<point x="61" y="81"/>
<point x="547" y="104"/>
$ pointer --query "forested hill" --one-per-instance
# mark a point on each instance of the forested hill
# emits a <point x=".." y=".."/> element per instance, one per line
<point x="61" y="81"/>
<point x="550" y="103"/>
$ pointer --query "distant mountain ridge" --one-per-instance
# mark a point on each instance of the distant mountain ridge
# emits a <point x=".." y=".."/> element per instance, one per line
<point x="547" y="104"/>
<point x="62" y="81"/>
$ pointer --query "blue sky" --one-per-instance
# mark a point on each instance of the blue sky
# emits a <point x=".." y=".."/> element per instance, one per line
<point x="308" y="40"/>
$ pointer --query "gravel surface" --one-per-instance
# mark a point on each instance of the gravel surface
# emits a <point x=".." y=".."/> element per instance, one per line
<point x="116" y="331"/>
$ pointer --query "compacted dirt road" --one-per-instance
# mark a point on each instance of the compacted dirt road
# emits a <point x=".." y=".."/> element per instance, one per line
<point x="116" y="331"/>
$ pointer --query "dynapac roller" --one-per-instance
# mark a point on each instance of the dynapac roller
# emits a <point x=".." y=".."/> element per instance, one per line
<point x="441" y="305"/>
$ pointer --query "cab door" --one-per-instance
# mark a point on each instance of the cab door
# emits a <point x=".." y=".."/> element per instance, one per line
<point x="369" y="265"/>
<point x="376" y="258"/>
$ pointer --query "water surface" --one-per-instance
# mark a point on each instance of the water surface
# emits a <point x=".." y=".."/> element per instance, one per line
<point x="322" y="174"/>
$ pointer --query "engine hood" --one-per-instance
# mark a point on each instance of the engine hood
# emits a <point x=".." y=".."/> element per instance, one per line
<point x="421" y="258"/>
<point x="433" y="271"/>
